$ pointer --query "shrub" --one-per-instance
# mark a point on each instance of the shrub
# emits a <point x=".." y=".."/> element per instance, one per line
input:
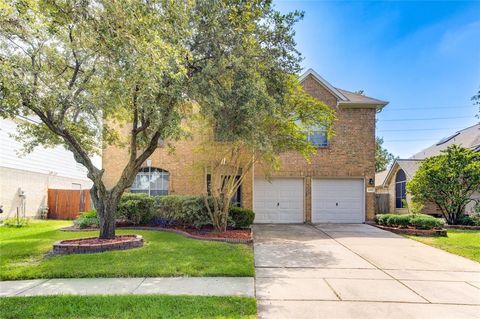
<point x="136" y="208"/>
<point x="397" y="220"/>
<point x="183" y="210"/>
<point x="16" y="222"/>
<point x="421" y="221"/>
<point x="381" y="218"/>
<point x="87" y="219"/>
<point x="241" y="217"/>
<point x="469" y="220"/>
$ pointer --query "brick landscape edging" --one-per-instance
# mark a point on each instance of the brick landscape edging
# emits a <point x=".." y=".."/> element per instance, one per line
<point x="65" y="247"/>
<point x="464" y="227"/>
<point x="176" y="231"/>
<point x="411" y="231"/>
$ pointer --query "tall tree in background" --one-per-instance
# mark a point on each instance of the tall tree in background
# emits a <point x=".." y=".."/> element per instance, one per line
<point x="476" y="101"/>
<point x="84" y="68"/>
<point x="383" y="158"/>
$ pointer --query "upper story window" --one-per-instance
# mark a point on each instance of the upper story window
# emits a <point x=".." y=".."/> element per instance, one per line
<point x="152" y="181"/>
<point x="400" y="189"/>
<point x="318" y="138"/>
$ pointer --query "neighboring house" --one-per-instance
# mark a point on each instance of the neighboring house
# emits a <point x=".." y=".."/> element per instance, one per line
<point x="393" y="181"/>
<point x="335" y="186"/>
<point x="25" y="180"/>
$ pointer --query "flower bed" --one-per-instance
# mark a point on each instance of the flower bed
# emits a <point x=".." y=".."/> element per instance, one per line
<point x="414" y="231"/>
<point x="96" y="245"/>
<point x="237" y="236"/>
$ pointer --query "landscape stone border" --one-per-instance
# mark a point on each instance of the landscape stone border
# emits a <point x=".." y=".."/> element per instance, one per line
<point x="176" y="231"/>
<point x="463" y="227"/>
<point x="66" y="247"/>
<point x="412" y="231"/>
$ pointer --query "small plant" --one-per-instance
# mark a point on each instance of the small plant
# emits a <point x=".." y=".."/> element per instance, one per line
<point x="414" y="207"/>
<point x="16" y="222"/>
<point x="241" y="217"/>
<point x="87" y="219"/>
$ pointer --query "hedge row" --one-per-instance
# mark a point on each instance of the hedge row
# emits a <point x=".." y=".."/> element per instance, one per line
<point x="190" y="211"/>
<point x="419" y="221"/>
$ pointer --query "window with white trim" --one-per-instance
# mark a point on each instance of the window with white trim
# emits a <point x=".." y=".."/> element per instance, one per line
<point x="152" y="181"/>
<point x="318" y="137"/>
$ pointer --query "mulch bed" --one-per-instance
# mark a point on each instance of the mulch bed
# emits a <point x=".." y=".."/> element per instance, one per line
<point x="236" y="236"/>
<point x="98" y="241"/>
<point x="414" y="231"/>
<point x="96" y="245"/>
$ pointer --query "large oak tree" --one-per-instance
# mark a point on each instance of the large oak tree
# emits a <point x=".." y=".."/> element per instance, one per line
<point x="84" y="68"/>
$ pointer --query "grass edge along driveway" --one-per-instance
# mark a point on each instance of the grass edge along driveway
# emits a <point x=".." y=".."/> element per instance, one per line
<point x="163" y="255"/>
<point x="464" y="243"/>
<point x="122" y="307"/>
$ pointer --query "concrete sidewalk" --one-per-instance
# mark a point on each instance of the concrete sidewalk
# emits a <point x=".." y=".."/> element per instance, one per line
<point x="195" y="286"/>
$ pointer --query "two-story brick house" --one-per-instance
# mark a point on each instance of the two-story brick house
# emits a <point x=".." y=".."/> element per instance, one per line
<point x="336" y="186"/>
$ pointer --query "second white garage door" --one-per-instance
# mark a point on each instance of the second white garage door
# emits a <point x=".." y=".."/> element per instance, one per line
<point x="278" y="201"/>
<point x="338" y="201"/>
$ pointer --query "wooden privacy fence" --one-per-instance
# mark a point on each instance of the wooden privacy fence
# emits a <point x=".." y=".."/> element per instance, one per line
<point x="67" y="203"/>
<point x="381" y="203"/>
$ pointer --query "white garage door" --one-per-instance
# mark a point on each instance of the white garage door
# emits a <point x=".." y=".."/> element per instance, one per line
<point x="338" y="201"/>
<point x="279" y="200"/>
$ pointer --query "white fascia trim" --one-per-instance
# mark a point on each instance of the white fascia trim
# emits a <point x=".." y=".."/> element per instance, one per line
<point x="378" y="106"/>
<point x="384" y="184"/>
<point x="324" y="82"/>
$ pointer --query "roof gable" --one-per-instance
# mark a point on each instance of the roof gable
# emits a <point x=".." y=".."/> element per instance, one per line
<point x="409" y="166"/>
<point x="344" y="98"/>
<point x="324" y="83"/>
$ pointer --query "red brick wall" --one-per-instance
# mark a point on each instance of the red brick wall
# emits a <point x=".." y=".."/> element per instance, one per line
<point x="351" y="154"/>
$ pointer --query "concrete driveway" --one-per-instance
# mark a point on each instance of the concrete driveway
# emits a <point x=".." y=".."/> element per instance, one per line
<point x="359" y="271"/>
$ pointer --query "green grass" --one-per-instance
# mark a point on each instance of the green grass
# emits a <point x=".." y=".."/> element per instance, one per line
<point x="164" y="254"/>
<point x="465" y="243"/>
<point x="120" y="307"/>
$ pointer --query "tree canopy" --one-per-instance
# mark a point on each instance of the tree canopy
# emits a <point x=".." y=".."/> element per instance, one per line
<point x="383" y="158"/>
<point x="86" y="68"/>
<point x="449" y="180"/>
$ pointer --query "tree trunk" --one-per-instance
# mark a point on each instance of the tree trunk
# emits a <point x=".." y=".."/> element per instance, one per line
<point x="106" y="205"/>
<point x="107" y="220"/>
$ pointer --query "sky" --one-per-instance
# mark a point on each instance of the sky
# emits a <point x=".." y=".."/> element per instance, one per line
<point x="421" y="56"/>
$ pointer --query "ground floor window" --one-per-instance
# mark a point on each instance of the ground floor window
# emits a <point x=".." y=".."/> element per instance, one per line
<point x="237" y="197"/>
<point x="400" y="189"/>
<point x="152" y="181"/>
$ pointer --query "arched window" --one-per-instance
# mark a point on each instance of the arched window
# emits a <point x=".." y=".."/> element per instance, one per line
<point x="400" y="188"/>
<point x="152" y="181"/>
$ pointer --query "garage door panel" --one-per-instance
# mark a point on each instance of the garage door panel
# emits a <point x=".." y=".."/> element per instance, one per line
<point x="278" y="201"/>
<point x="338" y="201"/>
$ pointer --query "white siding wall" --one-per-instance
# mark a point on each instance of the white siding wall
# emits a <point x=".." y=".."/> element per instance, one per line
<point x="41" y="160"/>
<point x="35" y="186"/>
<point x="34" y="173"/>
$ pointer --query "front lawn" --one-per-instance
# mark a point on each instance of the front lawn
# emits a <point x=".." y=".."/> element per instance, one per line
<point x="465" y="243"/>
<point x="164" y="254"/>
<point x="122" y="307"/>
